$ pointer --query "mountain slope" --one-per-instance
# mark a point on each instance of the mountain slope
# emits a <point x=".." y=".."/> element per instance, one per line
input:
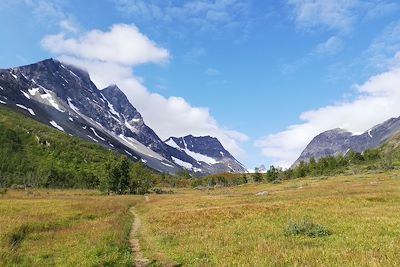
<point x="339" y="141"/>
<point x="64" y="97"/>
<point x="202" y="153"/>
<point x="135" y="126"/>
<point x="35" y="154"/>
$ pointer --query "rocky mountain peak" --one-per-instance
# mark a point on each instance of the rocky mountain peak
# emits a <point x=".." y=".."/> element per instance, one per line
<point x="205" y="145"/>
<point x="121" y="104"/>
<point x="64" y="97"/>
<point x="338" y="141"/>
<point x="208" y="152"/>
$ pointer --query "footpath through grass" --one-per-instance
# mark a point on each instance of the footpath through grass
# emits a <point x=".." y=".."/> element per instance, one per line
<point x="336" y="221"/>
<point x="64" y="228"/>
<point x="339" y="221"/>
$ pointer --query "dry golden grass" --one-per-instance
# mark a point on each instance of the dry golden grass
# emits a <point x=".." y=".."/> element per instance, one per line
<point x="64" y="228"/>
<point x="220" y="227"/>
<point x="234" y="227"/>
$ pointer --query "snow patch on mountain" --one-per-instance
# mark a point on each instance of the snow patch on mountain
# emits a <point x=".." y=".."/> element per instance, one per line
<point x="25" y="94"/>
<point x="15" y="76"/>
<point x="72" y="106"/>
<point x="127" y="152"/>
<point x="72" y="73"/>
<point x="33" y="91"/>
<point x="182" y="163"/>
<point x="51" y="100"/>
<point x="92" y="138"/>
<point x="369" y="133"/>
<point x="28" y="109"/>
<point x="55" y="125"/>
<point x="172" y="143"/>
<point x="166" y="164"/>
<point x="95" y="133"/>
<point x="200" y="157"/>
<point x="196" y="156"/>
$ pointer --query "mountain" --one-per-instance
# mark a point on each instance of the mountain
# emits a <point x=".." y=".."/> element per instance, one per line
<point x="339" y="141"/>
<point x="64" y="97"/>
<point x="202" y="154"/>
<point x="262" y="169"/>
<point x="133" y="121"/>
<point x="35" y="154"/>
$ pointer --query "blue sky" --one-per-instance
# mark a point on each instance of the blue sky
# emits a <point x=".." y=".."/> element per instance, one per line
<point x="263" y="76"/>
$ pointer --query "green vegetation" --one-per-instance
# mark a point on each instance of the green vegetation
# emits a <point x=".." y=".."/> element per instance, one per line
<point x="33" y="155"/>
<point x="64" y="228"/>
<point x="125" y="178"/>
<point x="238" y="219"/>
<point x="222" y="179"/>
<point x="382" y="159"/>
<point x="306" y="228"/>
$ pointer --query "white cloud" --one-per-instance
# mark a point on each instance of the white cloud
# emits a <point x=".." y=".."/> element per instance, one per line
<point x="44" y="11"/>
<point x="110" y="58"/>
<point x="333" y="14"/>
<point x="69" y="25"/>
<point x="376" y="101"/>
<point x="382" y="49"/>
<point x="380" y="8"/>
<point x="331" y="46"/>
<point x="123" y="44"/>
<point x="205" y="14"/>
<point x="338" y="15"/>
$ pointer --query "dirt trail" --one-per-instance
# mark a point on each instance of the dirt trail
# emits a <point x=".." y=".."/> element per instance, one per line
<point x="139" y="260"/>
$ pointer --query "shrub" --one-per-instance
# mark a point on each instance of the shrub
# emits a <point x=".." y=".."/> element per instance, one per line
<point x="3" y="191"/>
<point x="306" y="228"/>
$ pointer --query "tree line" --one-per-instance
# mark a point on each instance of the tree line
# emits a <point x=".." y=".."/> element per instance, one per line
<point x="369" y="159"/>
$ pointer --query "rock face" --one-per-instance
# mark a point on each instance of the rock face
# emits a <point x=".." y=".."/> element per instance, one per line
<point x="202" y="154"/>
<point x="64" y="97"/>
<point x="133" y="121"/>
<point x="339" y="141"/>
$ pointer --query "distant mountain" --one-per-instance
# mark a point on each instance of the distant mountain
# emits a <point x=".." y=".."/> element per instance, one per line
<point x="63" y="96"/>
<point x="262" y="168"/>
<point x="203" y="153"/>
<point x="339" y="141"/>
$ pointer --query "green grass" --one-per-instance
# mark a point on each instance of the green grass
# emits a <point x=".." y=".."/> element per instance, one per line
<point x="339" y="221"/>
<point x="306" y="228"/>
<point x="64" y="228"/>
<point x="335" y="221"/>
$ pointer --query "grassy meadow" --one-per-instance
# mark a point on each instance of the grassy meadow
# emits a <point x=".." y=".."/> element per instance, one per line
<point x="234" y="227"/>
<point x="64" y="228"/>
<point x="356" y="222"/>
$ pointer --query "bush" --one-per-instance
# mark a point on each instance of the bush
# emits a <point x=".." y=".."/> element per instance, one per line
<point x="160" y="191"/>
<point x="3" y="191"/>
<point x="306" y="228"/>
<point x="219" y="180"/>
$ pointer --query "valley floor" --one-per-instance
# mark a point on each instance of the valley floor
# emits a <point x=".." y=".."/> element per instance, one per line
<point x="220" y="227"/>
<point x="64" y="228"/>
